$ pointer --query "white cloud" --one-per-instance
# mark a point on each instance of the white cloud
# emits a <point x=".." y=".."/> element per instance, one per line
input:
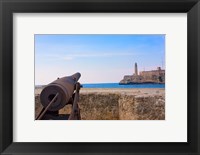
<point x="67" y="58"/>
<point x="87" y="55"/>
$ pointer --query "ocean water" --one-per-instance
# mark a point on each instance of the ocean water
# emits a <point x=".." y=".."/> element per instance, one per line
<point x="117" y="85"/>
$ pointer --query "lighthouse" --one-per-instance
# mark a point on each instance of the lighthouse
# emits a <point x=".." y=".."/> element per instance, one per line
<point x="136" y="69"/>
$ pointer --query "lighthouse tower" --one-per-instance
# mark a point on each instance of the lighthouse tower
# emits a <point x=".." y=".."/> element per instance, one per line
<point x="136" y="69"/>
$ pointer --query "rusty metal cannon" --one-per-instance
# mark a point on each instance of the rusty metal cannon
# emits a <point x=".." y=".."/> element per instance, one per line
<point x="59" y="93"/>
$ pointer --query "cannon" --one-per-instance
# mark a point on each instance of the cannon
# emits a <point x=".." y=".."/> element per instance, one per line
<point x="59" y="93"/>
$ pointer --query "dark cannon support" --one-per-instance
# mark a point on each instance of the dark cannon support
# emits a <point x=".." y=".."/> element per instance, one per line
<point x="59" y="93"/>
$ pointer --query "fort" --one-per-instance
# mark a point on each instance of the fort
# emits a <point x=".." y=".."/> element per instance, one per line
<point x="153" y="76"/>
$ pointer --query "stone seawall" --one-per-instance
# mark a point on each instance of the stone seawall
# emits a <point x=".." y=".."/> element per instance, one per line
<point x="119" y="104"/>
<point x="121" y="107"/>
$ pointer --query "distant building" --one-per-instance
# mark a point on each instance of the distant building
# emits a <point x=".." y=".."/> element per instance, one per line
<point x="153" y="76"/>
<point x="158" y="75"/>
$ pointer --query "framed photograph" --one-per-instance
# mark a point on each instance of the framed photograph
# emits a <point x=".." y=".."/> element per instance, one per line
<point x="100" y="77"/>
<point x="101" y="59"/>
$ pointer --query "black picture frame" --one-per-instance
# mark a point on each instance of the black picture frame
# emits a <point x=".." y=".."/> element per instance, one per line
<point x="8" y="7"/>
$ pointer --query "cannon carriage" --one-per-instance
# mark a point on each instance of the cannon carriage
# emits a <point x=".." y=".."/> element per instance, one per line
<point x="59" y="93"/>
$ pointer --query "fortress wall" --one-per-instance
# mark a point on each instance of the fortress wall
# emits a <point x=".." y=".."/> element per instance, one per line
<point x="121" y="105"/>
<point x="149" y="75"/>
<point x="96" y="106"/>
<point x="127" y="107"/>
<point x="154" y="76"/>
<point x="145" y="76"/>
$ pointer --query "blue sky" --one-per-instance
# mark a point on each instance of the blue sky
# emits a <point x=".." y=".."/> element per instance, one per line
<point x="99" y="58"/>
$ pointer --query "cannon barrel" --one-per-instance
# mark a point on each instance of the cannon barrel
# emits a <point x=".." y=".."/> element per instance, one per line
<point x="64" y="86"/>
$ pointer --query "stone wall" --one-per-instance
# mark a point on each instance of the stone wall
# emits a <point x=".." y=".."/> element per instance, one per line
<point x="153" y="75"/>
<point x="122" y="107"/>
<point x="99" y="106"/>
<point x="138" y="105"/>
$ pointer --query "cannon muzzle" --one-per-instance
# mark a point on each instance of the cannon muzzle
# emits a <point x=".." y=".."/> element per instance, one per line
<point x="64" y="86"/>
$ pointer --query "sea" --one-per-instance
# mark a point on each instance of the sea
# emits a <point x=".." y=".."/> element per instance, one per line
<point x="117" y="85"/>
